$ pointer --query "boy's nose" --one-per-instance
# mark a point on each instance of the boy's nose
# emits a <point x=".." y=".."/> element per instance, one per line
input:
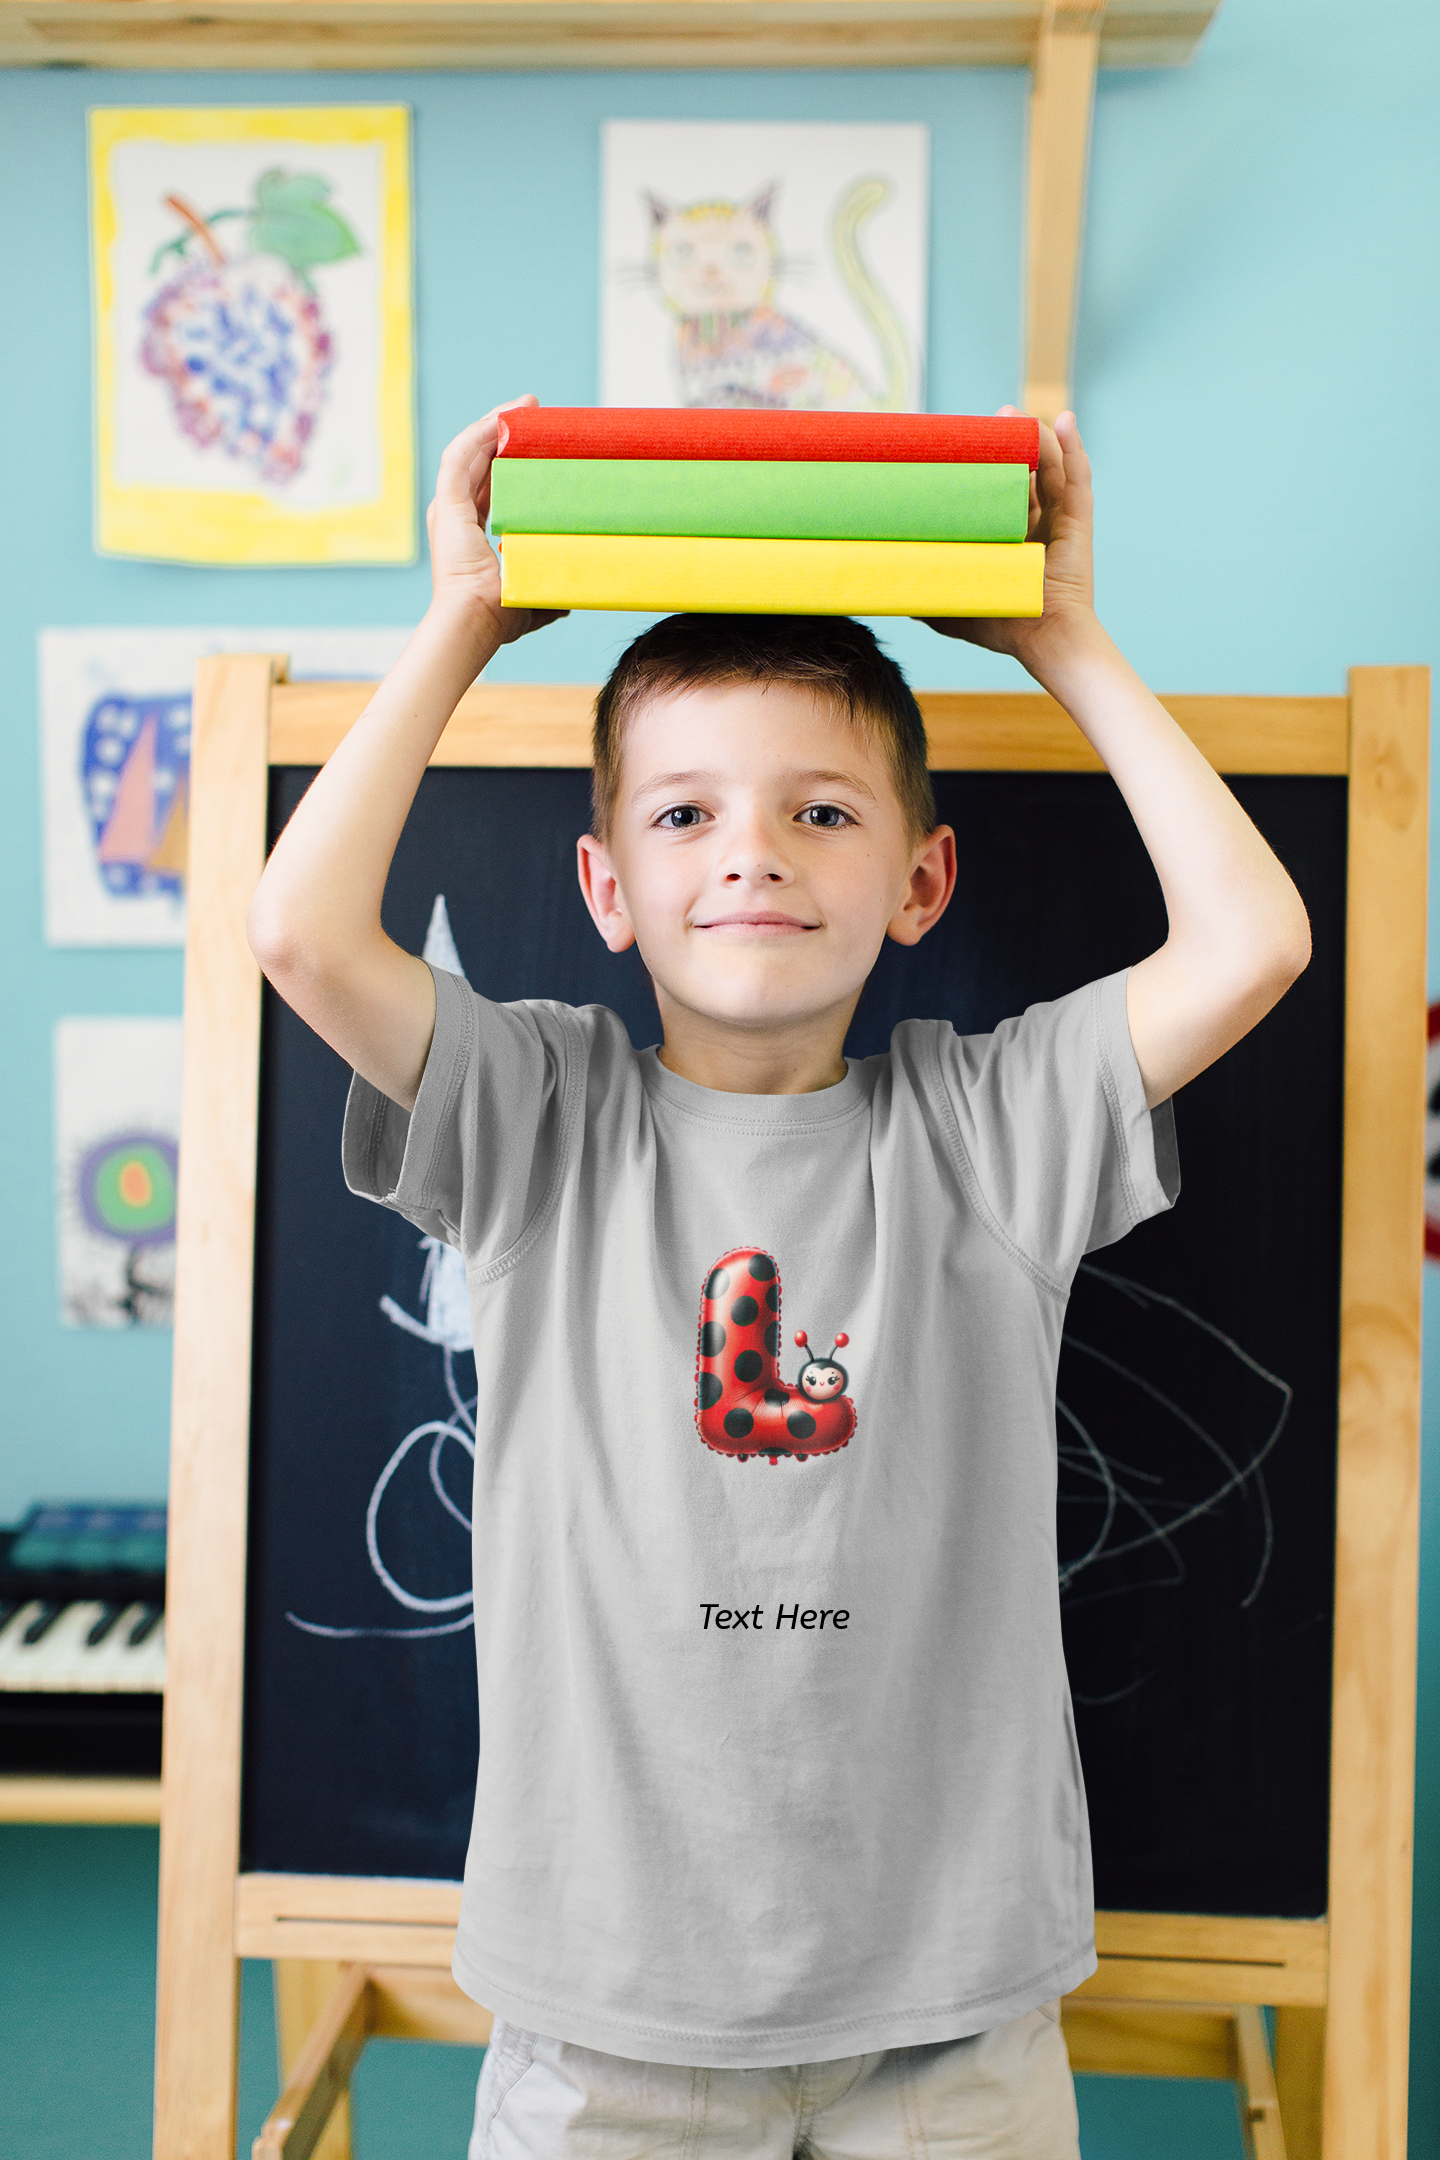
<point x="757" y="865"/>
<point x="755" y="852"/>
<point x="761" y="873"/>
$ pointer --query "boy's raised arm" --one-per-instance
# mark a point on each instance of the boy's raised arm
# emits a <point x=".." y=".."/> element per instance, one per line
<point x="314" y="924"/>
<point x="1238" y="931"/>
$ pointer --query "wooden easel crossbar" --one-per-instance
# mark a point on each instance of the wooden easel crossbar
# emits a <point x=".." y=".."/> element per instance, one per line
<point x="1175" y="1993"/>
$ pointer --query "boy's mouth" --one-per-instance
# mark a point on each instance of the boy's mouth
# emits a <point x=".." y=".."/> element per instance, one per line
<point x="766" y="922"/>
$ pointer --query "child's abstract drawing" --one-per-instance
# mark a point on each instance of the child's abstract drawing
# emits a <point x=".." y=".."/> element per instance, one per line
<point x="115" y="746"/>
<point x="708" y="228"/>
<point x="117" y="1127"/>
<point x="445" y="1326"/>
<point x="134" y="770"/>
<point x="1138" y="1503"/>
<point x="253" y="334"/>
<point x="240" y="340"/>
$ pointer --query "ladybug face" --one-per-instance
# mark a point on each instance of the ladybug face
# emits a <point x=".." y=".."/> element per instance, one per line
<point x="822" y="1380"/>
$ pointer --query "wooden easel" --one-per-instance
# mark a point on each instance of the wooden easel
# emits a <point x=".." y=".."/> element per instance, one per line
<point x="1176" y="1994"/>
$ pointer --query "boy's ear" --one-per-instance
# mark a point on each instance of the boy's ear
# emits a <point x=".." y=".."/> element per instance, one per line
<point x="602" y="894"/>
<point x="927" y="894"/>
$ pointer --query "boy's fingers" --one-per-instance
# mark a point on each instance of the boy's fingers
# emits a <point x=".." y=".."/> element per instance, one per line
<point x="1052" y="457"/>
<point x="1072" y="450"/>
<point x="488" y="425"/>
<point x="454" y="482"/>
<point x="474" y="445"/>
<point x="1050" y="473"/>
<point x="1040" y="494"/>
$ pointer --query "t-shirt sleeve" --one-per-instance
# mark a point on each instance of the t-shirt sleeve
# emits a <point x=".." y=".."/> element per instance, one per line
<point x="1065" y="1152"/>
<point x="473" y="1161"/>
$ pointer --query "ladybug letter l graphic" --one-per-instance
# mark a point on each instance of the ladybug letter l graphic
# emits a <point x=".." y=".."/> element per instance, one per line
<point x="742" y="1406"/>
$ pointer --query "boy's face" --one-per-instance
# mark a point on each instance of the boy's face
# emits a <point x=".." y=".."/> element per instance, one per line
<point x="758" y="857"/>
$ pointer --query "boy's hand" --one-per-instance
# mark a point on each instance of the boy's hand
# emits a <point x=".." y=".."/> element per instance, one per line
<point x="464" y="568"/>
<point x="1062" y="516"/>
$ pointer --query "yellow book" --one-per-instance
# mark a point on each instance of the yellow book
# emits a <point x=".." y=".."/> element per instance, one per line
<point x="669" y="575"/>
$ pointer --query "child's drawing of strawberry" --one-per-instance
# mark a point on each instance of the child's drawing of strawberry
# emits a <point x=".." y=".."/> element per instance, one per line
<point x="241" y="341"/>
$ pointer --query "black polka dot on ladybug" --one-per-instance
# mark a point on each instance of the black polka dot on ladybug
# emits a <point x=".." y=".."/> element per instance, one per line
<point x="744" y="1312"/>
<point x="712" y="1339"/>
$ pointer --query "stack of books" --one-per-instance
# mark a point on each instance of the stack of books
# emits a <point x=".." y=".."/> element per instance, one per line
<point x="766" y="513"/>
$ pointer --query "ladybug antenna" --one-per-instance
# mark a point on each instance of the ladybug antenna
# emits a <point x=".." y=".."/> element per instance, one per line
<point x="840" y="1341"/>
<point x="801" y="1338"/>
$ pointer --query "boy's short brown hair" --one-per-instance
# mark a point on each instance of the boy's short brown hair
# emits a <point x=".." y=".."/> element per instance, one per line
<point x="836" y="658"/>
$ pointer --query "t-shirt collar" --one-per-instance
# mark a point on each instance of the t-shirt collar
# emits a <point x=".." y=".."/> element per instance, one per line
<point x="820" y="1106"/>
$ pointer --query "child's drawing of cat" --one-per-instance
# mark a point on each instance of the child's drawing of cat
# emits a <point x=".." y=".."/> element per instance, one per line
<point x="718" y="265"/>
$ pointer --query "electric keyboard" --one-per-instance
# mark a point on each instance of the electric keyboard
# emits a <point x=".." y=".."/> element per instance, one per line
<point x="82" y="1640"/>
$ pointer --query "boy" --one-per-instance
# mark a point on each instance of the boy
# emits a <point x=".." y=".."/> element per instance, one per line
<point x="779" y="1843"/>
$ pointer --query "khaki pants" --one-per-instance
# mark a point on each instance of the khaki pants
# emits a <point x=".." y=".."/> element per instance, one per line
<point x="1000" y="2095"/>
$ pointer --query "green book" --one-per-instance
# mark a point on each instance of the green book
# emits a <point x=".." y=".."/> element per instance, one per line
<point x="752" y="499"/>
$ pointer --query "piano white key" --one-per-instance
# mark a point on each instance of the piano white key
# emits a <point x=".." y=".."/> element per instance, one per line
<point x="63" y="1662"/>
<point x="12" y="1636"/>
<point x="116" y="1666"/>
<point x="47" y="1664"/>
<point x="103" y="1660"/>
<point x="145" y="1666"/>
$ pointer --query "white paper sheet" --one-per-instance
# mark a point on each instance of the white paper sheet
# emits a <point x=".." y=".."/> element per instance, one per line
<point x="770" y="264"/>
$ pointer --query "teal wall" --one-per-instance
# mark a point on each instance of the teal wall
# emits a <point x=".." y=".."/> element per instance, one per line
<point x="1259" y="301"/>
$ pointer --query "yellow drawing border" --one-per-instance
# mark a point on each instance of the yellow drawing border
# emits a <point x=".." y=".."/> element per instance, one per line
<point x="227" y="527"/>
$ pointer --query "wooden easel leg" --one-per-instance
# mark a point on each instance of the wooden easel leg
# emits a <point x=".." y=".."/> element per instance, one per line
<point x="1300" y="2079"/>
<point x="1061" y="104"/>
<point x="1259" y="2104"/>
<point x="197" y="2000"/>
<point x="303" y="1986"/>
<point x="300" y="2119"/>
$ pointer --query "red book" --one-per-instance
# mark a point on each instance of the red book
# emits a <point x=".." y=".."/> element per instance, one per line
<point x="618" y="431"/>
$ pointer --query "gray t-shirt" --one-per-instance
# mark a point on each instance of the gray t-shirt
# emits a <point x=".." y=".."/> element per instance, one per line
<point x="777" y="1757"/>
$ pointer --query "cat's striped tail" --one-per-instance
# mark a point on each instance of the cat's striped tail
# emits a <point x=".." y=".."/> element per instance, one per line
<point x="853" y="211"/>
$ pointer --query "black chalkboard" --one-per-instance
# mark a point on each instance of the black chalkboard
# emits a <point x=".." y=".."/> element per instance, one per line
<point x="1197" y="1389"/>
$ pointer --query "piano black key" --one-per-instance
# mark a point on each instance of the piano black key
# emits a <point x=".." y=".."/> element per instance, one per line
<point x="146" y="1625"/>
<point x="104" y="1621"/>
<point x="44" y="1620"/>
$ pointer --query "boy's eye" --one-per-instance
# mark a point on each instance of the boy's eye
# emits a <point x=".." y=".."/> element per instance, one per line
<point x="829" y="816"/>
<point x="689" y="814"/>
